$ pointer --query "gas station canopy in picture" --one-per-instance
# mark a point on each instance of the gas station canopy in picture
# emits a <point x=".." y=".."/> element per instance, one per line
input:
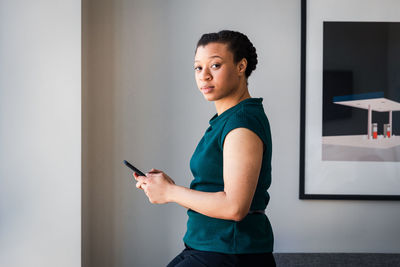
<point x="371" y="102"/>
<point x="365" y="147"/>
<point x="375" y="101"/>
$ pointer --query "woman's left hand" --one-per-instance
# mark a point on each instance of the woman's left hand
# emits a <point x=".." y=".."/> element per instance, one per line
<point x="156" y="185"/>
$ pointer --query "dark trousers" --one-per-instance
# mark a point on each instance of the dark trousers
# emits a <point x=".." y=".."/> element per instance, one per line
<point x="196" y="258"/>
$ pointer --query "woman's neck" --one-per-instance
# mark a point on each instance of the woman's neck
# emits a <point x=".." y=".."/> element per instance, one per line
<point x="231" y="100"/>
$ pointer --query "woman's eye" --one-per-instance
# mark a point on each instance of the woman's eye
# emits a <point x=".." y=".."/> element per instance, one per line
<point x="216" y="65"/>
<point x="197" y="68"/>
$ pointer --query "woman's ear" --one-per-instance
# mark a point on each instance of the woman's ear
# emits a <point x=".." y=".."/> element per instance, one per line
<point x="242" y="65"/>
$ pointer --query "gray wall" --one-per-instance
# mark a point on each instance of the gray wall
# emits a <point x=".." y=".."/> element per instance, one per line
<point x="140" y="103"/>
<point x="40" y="133"/>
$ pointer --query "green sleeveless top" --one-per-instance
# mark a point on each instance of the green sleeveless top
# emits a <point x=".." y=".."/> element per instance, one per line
<point x="253" y="234"/>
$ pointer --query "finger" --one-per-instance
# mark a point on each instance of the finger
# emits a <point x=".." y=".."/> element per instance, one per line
<point x="136" y="175"/>
<point x="142" y="179"/>
<point x="140" y="184"/>
<point x="144" y="187"/>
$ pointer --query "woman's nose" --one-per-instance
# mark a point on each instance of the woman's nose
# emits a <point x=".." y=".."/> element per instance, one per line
<point x="205" y="75"/>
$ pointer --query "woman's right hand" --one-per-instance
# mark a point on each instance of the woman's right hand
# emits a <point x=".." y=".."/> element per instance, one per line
<point x="156" y="185"/>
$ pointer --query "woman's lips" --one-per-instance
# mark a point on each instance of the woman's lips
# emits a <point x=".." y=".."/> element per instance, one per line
<point x="207" y="89"/>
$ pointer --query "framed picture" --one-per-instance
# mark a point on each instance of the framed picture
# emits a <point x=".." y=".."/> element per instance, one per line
<point x="350" y="100"/>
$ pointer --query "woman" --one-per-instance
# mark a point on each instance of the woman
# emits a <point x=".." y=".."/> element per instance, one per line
<point x="231" y="165"/>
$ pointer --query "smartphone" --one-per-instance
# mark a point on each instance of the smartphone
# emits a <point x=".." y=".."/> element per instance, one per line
<point x="134" y="168"/>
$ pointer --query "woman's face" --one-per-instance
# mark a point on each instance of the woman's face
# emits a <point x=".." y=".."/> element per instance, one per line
<point x="217" y="76"/>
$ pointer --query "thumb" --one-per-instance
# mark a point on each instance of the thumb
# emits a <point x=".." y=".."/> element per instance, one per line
<point x="154" y="170"/>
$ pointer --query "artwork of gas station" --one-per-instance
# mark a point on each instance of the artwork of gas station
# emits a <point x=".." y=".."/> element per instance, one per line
<point x="369" y="146"/>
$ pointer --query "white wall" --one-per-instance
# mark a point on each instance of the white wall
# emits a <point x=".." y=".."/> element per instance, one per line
<point x="140" y="103"/>
<point x="40" y="133"/>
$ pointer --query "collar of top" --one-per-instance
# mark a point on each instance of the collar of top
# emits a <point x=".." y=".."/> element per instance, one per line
<point x="226" y="113"/>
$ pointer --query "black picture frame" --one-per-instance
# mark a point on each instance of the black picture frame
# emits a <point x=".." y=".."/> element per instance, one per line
<point x="303" y="96"/>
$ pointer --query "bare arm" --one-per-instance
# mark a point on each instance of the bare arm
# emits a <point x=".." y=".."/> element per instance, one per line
<point x="242" y="153"/>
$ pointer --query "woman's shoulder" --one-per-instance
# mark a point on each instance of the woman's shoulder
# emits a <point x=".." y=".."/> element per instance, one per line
<point x="251" y="117"/>
<point x="251" y="113"/>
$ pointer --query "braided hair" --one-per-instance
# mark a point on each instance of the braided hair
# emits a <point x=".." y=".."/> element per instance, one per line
<point x="238" y="44"/>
